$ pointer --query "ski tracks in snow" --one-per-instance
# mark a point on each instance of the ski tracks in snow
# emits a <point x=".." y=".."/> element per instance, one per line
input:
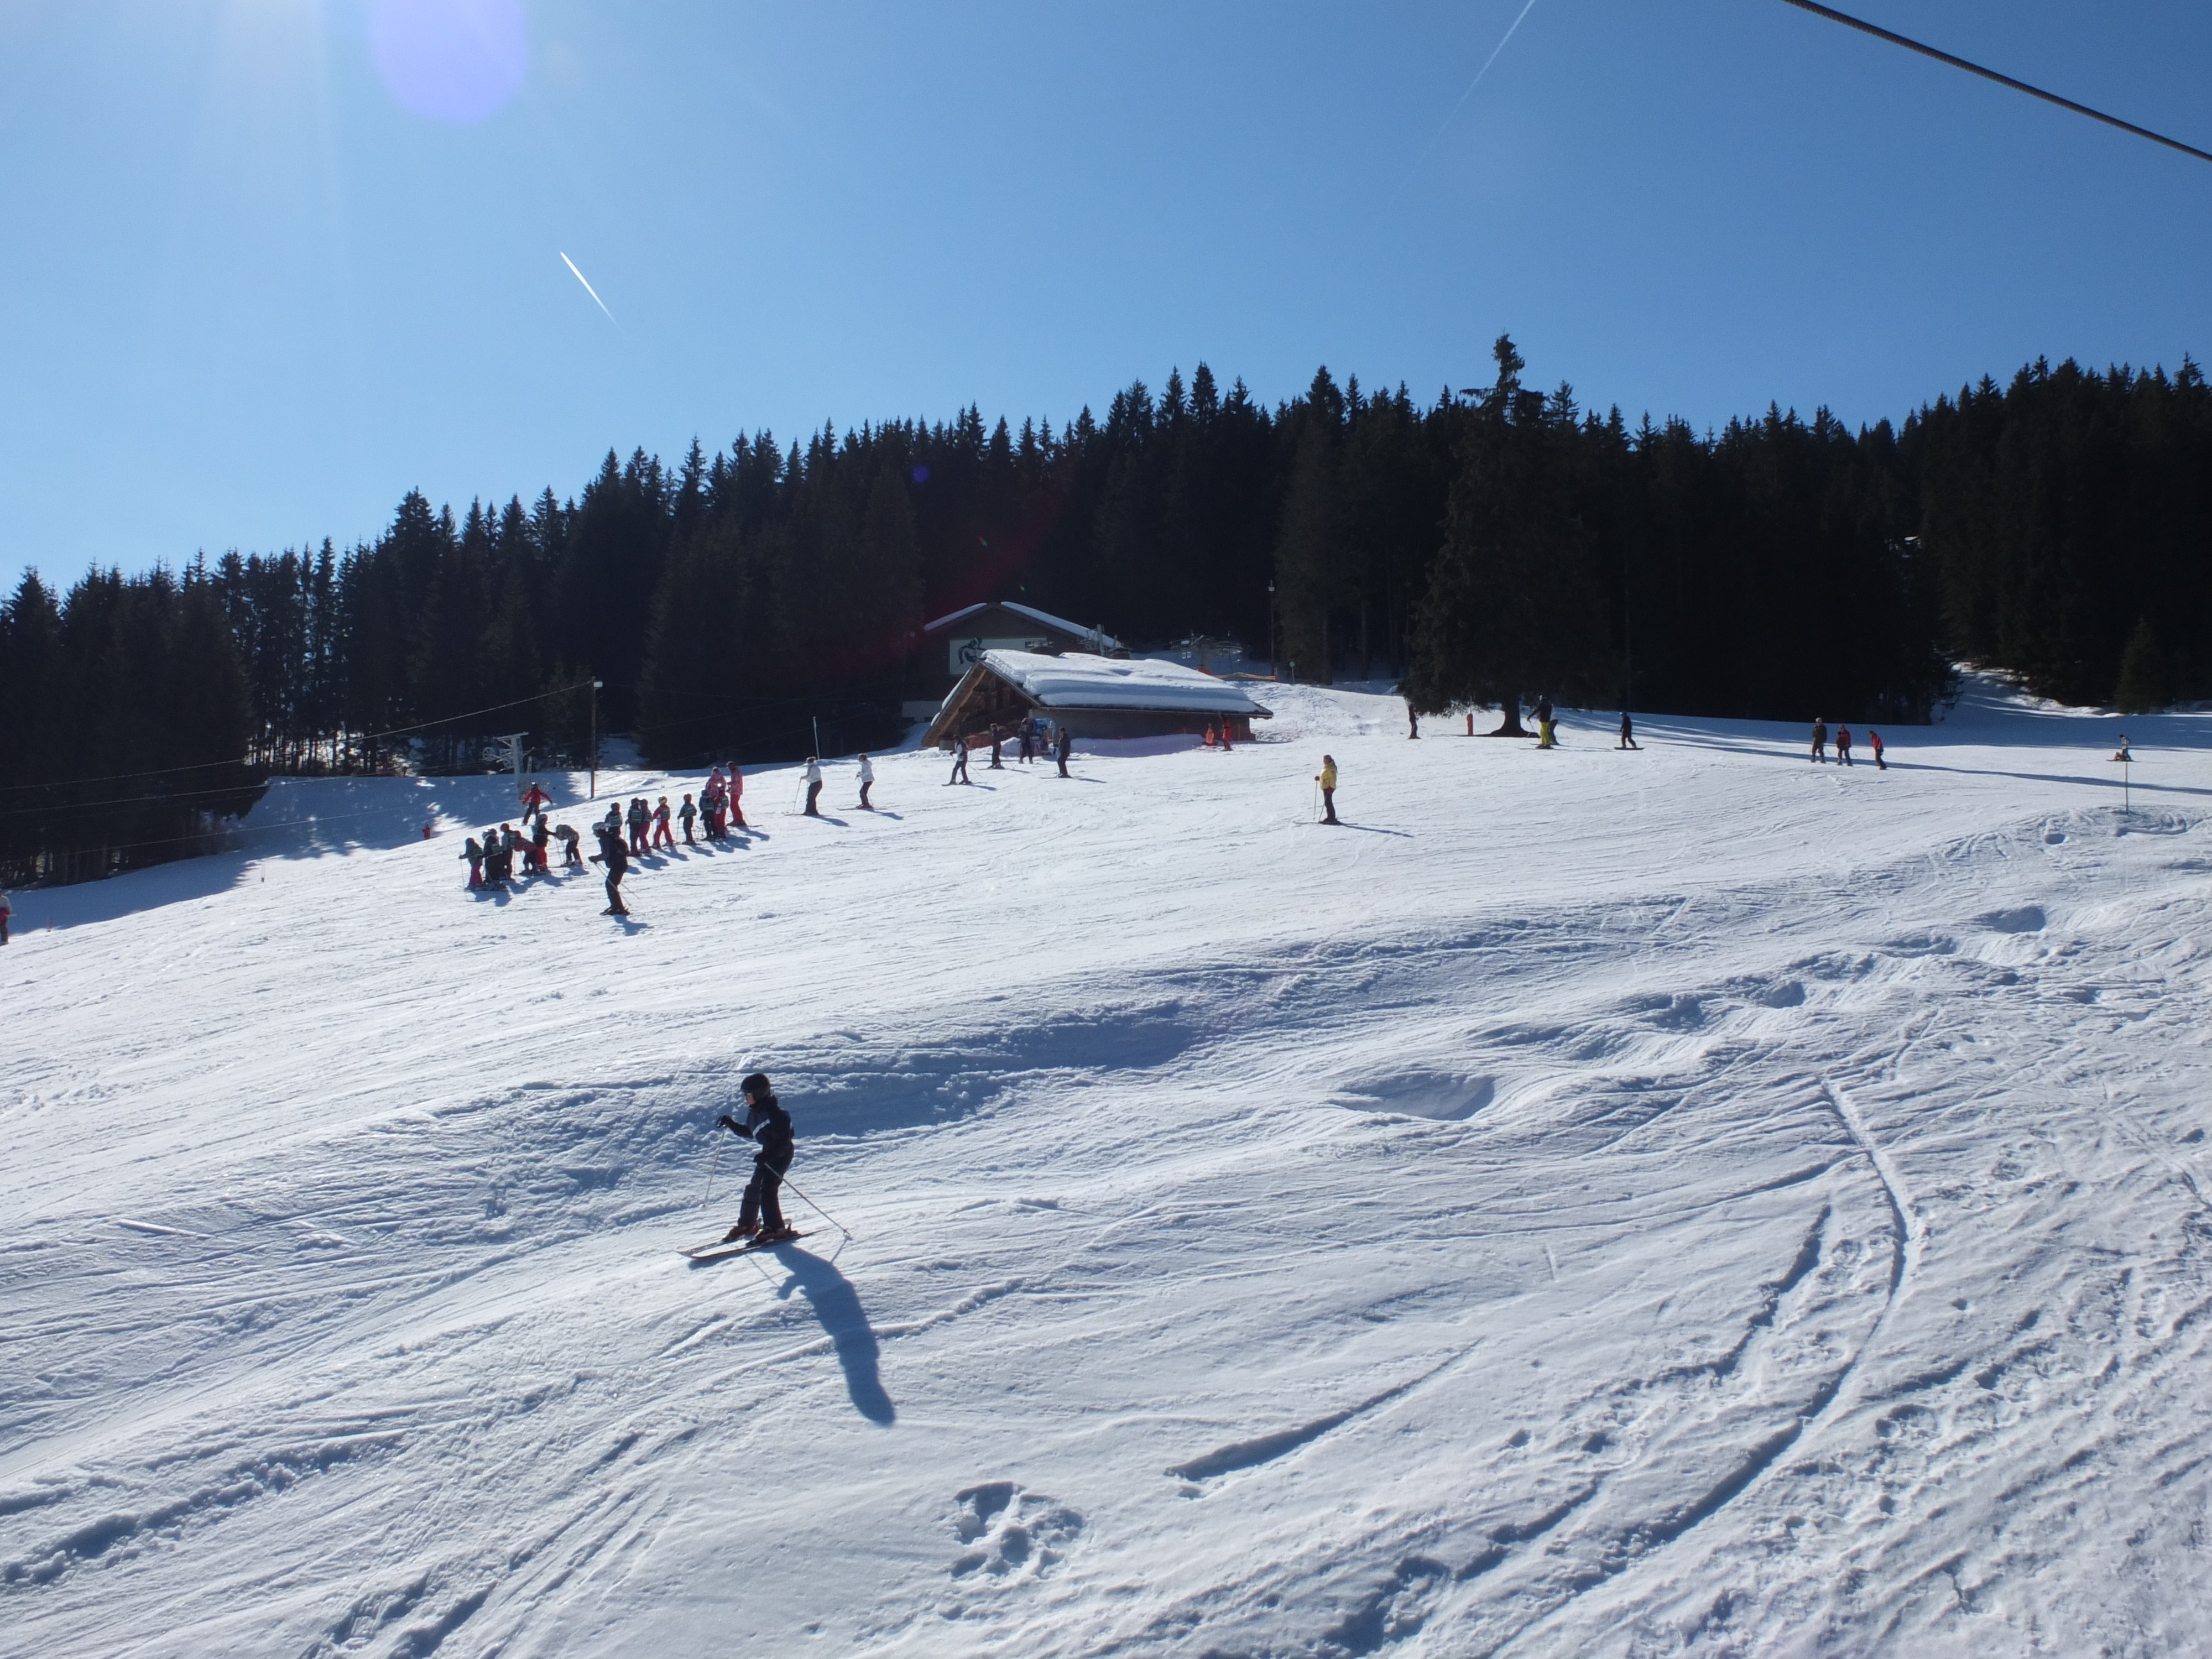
<point x="1484" y="1259"/>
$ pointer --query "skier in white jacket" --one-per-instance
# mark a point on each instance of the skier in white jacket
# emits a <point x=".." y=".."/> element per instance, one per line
<point x="867" y="782"/>
<point x="813" y="786"/>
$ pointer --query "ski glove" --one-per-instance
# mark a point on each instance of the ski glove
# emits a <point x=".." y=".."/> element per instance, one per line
<point x="733" y="1126"/>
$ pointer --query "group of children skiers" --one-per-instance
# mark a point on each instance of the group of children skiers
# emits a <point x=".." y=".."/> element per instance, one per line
<point x="492" y="860"/>
<point x="634" y="830"/>
<point x="628" y="832"/>
<point x="716" y="810"/>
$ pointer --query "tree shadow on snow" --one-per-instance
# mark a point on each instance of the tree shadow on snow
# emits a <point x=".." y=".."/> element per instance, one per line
<point x="177" y="882"/>
<point x="2089" y="780"/>
<point x="831" y="1296"/>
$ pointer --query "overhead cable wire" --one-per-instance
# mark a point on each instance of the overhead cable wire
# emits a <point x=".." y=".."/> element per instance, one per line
<point x="350" y="737"/>
<point x="168" y="797"/>
<point x="2003" y="80"/>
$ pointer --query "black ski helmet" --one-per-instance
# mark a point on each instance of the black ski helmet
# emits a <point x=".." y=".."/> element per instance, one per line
<point x="755" y="1084"/>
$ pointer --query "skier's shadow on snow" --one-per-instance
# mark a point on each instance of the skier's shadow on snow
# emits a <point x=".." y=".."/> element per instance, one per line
<point x="838" y="1307"/>
<point x="1375" y="829"/>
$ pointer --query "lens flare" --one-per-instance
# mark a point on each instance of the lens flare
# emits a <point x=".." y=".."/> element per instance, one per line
<point x="452" y="60"/>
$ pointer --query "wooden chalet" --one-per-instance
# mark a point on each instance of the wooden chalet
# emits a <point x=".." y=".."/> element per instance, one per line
<point x="1092" y="696"/>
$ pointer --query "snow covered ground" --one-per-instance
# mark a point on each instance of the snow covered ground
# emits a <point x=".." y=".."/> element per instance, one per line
<point x="1690" y="1201"/>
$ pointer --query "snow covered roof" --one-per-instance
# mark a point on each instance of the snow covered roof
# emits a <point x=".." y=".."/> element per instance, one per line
<point x="1079" y="680"/>
<point x="1074" y="630"/>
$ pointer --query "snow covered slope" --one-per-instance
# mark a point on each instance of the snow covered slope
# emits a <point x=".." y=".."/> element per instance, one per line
<point x="1690" y="1201"/>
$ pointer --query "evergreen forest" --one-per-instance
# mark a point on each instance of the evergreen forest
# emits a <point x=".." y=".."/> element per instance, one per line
<point x="1496" y="545"/>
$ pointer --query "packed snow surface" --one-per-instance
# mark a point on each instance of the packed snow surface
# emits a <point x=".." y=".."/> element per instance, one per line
<point x="1688" y="1201"/>
<point x="1079" y="680"/>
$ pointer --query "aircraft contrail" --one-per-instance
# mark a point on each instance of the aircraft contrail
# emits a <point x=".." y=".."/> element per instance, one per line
<point x="588" y="288"/>
<point x="1512" y="28"/>
<point x="1484" y="70"/>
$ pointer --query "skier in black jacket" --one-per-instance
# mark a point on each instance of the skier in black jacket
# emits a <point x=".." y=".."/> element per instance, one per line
<point x="616" y="856"/>
<point x="760" y="1217"/>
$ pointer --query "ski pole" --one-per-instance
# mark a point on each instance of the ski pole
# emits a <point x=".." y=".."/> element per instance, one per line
<point x="817" y="1209"/>
<point x="714" y="1169"/>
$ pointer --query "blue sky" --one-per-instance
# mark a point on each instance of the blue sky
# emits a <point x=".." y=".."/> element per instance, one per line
<point x="269" y="263"/>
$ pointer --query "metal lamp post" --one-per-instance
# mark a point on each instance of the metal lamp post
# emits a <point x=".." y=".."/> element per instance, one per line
<point x="596" y="684"/>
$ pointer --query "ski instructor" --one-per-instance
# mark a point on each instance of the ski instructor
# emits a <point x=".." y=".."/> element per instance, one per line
<point x="760" y="1217"/>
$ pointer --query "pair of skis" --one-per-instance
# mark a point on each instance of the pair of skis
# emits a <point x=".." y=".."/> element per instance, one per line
<point x="720" y="1248"/>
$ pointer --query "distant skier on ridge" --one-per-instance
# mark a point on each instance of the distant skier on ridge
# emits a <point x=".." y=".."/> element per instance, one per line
<point x="760" y="1216"/>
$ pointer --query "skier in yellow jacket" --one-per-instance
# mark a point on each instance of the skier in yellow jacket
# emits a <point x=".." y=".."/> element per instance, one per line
<point x="1326" y="779"/>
